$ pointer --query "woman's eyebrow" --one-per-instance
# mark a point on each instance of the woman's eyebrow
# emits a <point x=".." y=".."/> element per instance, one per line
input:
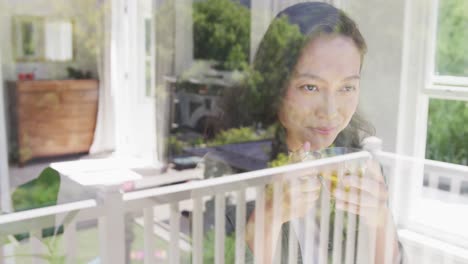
<point x="352" y="77"/>
<point x="313" y="76"/>
<point x="308" y="75"/>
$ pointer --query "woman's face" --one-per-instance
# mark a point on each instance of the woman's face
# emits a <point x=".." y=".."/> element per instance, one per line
<point x="323" y="91"/>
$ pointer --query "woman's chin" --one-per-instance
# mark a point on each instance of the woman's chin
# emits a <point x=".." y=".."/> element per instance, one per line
<point x="320" y="142"/>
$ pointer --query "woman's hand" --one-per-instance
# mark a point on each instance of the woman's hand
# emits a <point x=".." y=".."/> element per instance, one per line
<point x="298" y="194"/>
<point x="297" y="197"/>
<point x="364" y="195"/>
<point x="290" y="198"/>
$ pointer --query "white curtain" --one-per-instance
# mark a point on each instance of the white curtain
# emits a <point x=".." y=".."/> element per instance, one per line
<point x="165" y="67"/>
<point x="104" y="134"/>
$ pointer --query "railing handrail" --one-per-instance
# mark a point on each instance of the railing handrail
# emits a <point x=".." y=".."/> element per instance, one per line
<point x="234" y="182"/>
<point x="432" y="163"/>
<point x="45" y="217"/>
<point x="46" y="211"/>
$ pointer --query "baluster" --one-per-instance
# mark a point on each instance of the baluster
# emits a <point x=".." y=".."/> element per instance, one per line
<point x="37" y="249"/>
<point x="277" y="219"/>
<point x="148" y="236"/>
<point x="220" y="205"/>
<point x="433" y="180"/>
<point x="259" y="224"/>
<point x="197" y="231"/>
<point x="324" y="226"/>
<point x="174" y="219"/>
<point x="240" y="227"/>
<point x="293" y="245"/>
<point x="70" y="237"/>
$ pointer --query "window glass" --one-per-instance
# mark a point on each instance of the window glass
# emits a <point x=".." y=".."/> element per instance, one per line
<point x="148" y="30"/>
<point x="452" y="38"/>
<point x="447" y="131"/>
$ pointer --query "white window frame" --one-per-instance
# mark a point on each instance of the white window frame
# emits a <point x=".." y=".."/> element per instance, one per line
<point x="146" y="12"/>
<point x="5" y="199"/>
<point x="420" y="84"/>
<point x="436" y="86"/>
<point x="441" y="86"/>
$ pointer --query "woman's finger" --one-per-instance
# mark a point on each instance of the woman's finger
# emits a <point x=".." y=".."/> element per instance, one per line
<point x="370" y="186"/>
<point x="372" y="216"/>
<point x="299" y="204"/>
<point x="309" y="184"/>
<point x="362" y="199"/>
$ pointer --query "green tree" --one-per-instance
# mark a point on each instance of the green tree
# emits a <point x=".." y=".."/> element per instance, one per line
<point x="258" y="95"/>
<point x="452" y="38"/>
<point x="221" y="30"/>
<point x="447" y="138"/>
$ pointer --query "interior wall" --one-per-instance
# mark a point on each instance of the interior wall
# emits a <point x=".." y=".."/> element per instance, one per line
<point x="382" y="28"/>
<point x="83" y="59"/>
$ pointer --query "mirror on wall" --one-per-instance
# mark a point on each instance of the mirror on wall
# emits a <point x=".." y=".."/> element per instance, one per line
<point x="42" y="39"/>
<point x="28" y="38"/>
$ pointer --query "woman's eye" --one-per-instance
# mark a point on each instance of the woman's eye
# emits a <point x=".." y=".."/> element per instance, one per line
<point x="348" y="88"/>
<point x="310" y="88"/>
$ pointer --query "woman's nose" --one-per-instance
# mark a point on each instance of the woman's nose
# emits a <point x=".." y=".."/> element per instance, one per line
<point x="329" y="108"/>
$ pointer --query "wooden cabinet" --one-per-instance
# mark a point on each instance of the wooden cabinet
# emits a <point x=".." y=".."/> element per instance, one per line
<point x="54" y="117"/>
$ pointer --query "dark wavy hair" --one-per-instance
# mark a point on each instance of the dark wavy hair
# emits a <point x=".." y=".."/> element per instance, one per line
<point x="277" y="55"/>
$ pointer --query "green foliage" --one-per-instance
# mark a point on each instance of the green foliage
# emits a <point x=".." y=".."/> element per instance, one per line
<point x="281" y="160"/>
<point x="40" y="192"/>
<point x="209" y="248"/>
<point x="221" y="30"/>
<point x="234" y="135"/>
<point x="260" y="94"/>
<point x="176" y="146"/>
<point x="452" y="38"/>
<point x="77" y="74"/>
<point x="447" y="138"/>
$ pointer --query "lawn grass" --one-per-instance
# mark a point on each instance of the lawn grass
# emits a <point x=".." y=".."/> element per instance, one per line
<point x="88" y="248"/>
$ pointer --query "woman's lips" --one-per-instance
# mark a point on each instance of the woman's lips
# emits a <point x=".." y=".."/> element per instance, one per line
<point x="323" y="130"/>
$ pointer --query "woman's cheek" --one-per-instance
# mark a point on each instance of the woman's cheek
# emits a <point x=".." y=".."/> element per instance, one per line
<point x="349" y="106"/>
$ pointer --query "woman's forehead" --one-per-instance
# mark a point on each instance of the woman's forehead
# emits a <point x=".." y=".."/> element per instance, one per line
<point x="329" y="54"/>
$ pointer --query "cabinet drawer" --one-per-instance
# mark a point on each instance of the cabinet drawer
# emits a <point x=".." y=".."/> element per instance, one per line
<point x="36" y="100"/>
<point x="50" y="112"/>
<point x="56" y="98"/>
<point x="54" y="144"/>
<point x="58" y="85"/>
<point x="58" y="125"/>
<point x="79" y="96"/>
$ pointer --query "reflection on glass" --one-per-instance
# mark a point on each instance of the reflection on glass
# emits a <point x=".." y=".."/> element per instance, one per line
<point x="221" y="33"/>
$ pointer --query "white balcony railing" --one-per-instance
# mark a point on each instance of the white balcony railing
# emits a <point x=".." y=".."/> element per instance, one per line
<point x="151" y="207"/>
